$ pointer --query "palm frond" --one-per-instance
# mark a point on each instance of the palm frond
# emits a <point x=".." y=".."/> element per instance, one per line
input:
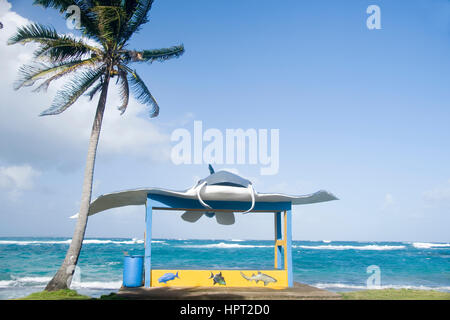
<point x="65" y="48"/>
<point x="73" y="90"/>
<point x="34" y="32"/>
<point x="29" y="74"/>
<point x="69" y="67"/>
<point x="60" y="5"/>
<point x="110" y="20"/>
<point x="137" y="19"/>
<point x="130" y="7"/>
<point x="112" y="23"/>
<point x="53" y="46"/>
<point x="124" y="91"/>
<point x="142" y="94"/>
<point x="88" y="18"/>
<point x="162" y="54"/>
<point x="95" y="89"/>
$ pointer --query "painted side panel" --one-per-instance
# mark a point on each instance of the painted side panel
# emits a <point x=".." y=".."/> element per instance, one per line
<point x="289" y="248"/>
<point x="148" y="244"/>
<point x="232" y="278"/>
<point x="278" y="236"/>
<point x="163" y="201"/>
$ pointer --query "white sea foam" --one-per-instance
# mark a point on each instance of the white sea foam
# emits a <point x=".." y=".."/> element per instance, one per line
<point x="388" y="286"/>
<point x="96" y="285"/>
<point x="33" y="279"/>
<point x="223" y="245"/>
<point x="155" y="241"/>
<point x="86" y="241"/>
<point x="42" y="281"/>
<point x="347" y="247"/>
<point x="326" y="241"/>
<point x="23" y="242"/>
<point x="427" y="245"/>
<point x="338" y="286"/>
<point x="6" y="283"/>
<point x="24" y="281"/>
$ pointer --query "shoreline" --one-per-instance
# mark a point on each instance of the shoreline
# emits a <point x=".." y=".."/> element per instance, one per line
<point x="299" y="292"/>
<point x="101" y="274"/>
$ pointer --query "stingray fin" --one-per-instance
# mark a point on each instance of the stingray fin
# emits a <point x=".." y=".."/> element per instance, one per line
<point x="225" y="218"/>
<point x="191" y="216"/>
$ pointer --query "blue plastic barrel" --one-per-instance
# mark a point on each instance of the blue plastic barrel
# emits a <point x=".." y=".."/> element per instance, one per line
<point x="133" y="268"/>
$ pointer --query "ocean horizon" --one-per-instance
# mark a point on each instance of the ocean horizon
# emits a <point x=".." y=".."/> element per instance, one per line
<point x="28" y="263"/>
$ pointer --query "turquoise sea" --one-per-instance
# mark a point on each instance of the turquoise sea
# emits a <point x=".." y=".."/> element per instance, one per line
<point x="27" y="264"/>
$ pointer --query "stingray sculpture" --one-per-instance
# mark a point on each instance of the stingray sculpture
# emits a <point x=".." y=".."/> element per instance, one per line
<point x="221" y="182"/>
<point x="218" y="186"/>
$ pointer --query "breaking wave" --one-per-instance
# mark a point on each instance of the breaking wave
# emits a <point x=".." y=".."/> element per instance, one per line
<point x="223" y="245"/>
<point x="347" y="247"/>
<point x="86" y="241"/>
<point x="388" y="286"/>
<point x="113" y="285"/>
<point x="39" y="282"/>
<point x="427" y="245"/>
<point x="24" y="281"/>
<point x="24" y="242"/>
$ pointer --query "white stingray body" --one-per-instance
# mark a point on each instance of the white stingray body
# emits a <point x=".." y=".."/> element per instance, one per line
<point x="203" y="191"/>
<point x="220" y="193"/>
<point x="221" y="186"/>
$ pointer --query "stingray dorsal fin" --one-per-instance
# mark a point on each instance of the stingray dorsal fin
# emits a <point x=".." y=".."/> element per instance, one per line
<point x="211" y="169"/>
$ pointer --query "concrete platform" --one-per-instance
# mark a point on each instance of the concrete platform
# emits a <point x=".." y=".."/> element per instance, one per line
<point x="298" y="292"/>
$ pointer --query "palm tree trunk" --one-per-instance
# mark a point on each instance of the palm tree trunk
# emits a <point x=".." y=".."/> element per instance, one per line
<point x="63" y="278"/>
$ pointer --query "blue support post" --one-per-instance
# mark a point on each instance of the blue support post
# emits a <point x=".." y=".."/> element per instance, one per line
<point x="160" y="201"/>
<point x="278" y="236"/>
<point x="148" y="243"/>
<point x="289" y="247"/>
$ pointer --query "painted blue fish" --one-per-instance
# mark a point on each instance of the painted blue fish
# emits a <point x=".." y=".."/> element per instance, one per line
<point x="218" y="278"/>
<point x="168" y="277"/>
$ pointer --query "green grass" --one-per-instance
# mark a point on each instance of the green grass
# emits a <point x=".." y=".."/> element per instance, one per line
<point x="385" y="294"/>
<point x="56" y="295"/>
<point x="396" y="294"/>
<point x="111" y="296"/>
<point x="67" y="295"/>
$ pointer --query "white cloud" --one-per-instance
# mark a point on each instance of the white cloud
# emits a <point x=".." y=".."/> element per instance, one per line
<point x="9" y="18"/>
<point x="15" y="179"/>
<point x="389" y="203"/>
<point x="61" y="141"/>
<point x="133" y="133"/>
<point x="439" y="194"/>
<point x="388" y="199"/>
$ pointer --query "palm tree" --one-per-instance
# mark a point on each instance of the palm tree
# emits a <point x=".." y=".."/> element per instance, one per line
<point x="91" y="62"/>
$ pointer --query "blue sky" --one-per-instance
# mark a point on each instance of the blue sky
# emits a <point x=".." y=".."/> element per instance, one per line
<point x="362" y="113"/>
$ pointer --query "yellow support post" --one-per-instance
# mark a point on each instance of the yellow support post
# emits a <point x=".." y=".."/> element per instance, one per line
<point x="278" y="239"/>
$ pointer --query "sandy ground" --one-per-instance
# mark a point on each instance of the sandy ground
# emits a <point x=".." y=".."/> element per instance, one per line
<point x="298" y="292"/>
